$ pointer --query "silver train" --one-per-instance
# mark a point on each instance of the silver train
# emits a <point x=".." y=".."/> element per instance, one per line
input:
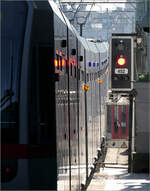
<point x="53" y="89"/>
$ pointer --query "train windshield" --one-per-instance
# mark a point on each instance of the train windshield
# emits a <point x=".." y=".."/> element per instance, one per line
<point x="13" y="16"/>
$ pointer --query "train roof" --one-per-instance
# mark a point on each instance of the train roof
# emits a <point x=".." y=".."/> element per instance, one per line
<point x="102" y="47"/>
<point x="84" y="43"/>
<point x="90" y="46"/>
<point x="63" y="17"/>
<point x="56" y="10"/>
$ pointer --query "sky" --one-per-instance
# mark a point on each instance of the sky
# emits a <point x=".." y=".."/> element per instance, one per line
<point x="103" y="6"/>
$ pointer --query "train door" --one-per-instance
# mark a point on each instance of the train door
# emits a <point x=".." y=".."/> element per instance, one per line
<point x="42" y="128"/>
<point x="72" y="63"/>
<point x="119" y="124"/>
<point x="82" y="151"/>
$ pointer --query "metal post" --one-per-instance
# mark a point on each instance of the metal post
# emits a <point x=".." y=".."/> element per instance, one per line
<point x="130" y="134"/>
<point x="86" y="124"/>
<point x="132" y="96"/>
<point x="81" y="27"/>
<point x="107" y="23"/>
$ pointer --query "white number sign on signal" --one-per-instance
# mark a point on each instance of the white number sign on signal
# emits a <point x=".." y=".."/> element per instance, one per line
<point x="121" y="70"/>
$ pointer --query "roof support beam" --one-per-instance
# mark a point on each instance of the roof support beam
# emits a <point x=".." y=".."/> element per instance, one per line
<point x="97" y="1"/>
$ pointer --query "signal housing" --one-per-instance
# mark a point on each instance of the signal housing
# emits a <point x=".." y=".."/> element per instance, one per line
<point x="122" y="62"/>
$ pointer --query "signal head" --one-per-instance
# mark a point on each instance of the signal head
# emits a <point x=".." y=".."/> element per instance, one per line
<point x="121" y="61"/>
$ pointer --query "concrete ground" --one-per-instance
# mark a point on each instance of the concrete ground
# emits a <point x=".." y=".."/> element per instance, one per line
<point x="116" y="156"/>
<point x="112" y="178"/>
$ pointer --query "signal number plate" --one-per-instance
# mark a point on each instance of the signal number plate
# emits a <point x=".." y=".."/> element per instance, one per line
<point x="121" y="71"/>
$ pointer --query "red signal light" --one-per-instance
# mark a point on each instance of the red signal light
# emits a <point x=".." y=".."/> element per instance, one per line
<point x="121" y="61"/>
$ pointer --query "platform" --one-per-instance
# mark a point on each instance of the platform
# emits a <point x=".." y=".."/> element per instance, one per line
<point x="116" y="156"/>
<point x="118" y="179"/>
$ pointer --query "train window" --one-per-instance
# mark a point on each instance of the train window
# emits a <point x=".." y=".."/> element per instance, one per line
<point x="41" y="130"/>
<point x="45" y="95"/>
<point x="81" y="58"/>
<point x="10" y="69"/>
<point x="63" y="43"/>
<point x="9" y="103"/>
<point x="73" y="52"/>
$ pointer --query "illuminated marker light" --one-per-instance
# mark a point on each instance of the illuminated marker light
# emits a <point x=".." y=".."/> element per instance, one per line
<point x="89" y="64"/>
<point x="86" y="87"/>
<point x="93" y="64"/>
<point x="121" y="61"/>
<point x="73" y="62"/>
<point x="56" y="63"/>
<point x="59" y="62"/>
<point x="100" y="81"/>
<point x="63" y="62"/>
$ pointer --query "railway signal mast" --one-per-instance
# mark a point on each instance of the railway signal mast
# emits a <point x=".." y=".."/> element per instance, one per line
<point x="122" y="77"/>
<point x="122" y="62"/>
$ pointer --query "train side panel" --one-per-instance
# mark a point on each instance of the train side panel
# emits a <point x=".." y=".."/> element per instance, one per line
<point x="37" y="133"/>
<point x="12" y="51"/>
<point x="62" y="103"/>
<point x="52" y="102"/>
<point x="41" y="100"/>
